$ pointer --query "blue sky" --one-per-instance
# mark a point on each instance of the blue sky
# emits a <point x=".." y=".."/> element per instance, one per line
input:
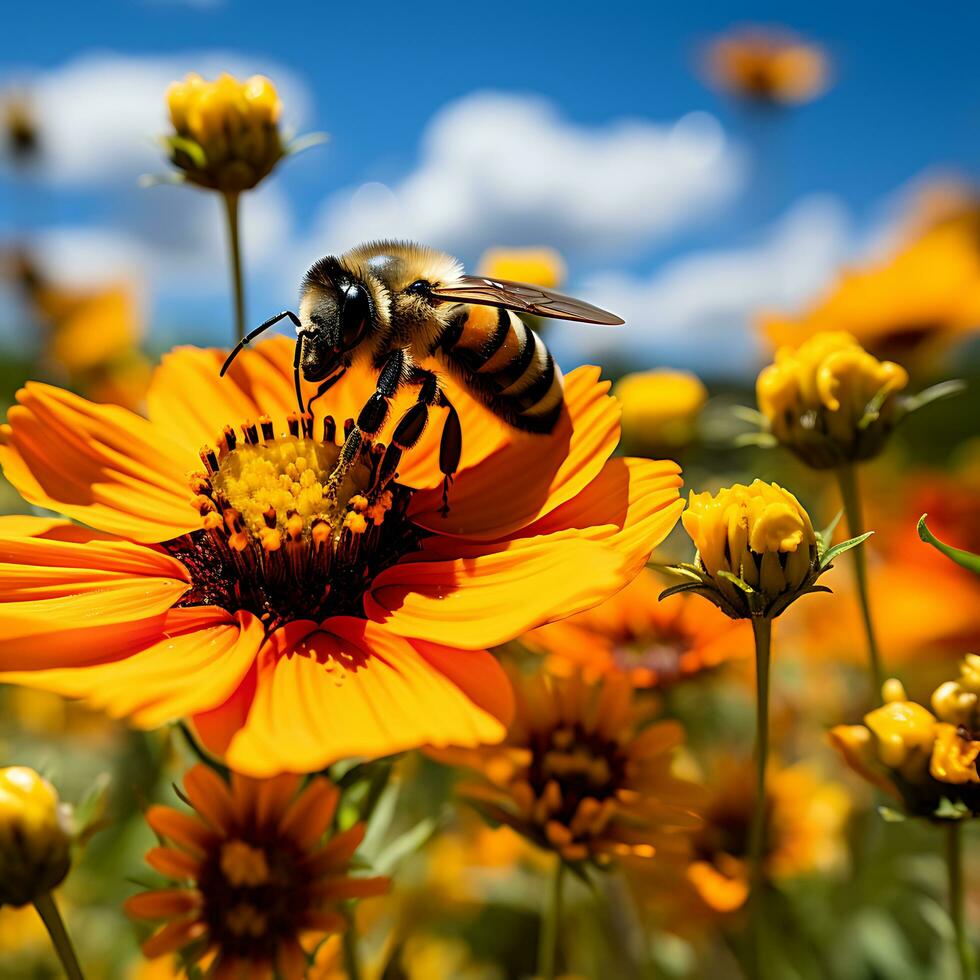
<point x="906" y="99"/>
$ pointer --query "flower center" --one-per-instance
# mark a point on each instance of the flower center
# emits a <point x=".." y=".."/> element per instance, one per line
<point x="281" y="537"/>
<point x="663" y="657"/>
<point x="575" y="776"/>
<point x="254" y="894"/>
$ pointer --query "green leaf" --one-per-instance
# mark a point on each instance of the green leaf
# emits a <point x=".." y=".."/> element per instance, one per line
<point x="747" y="414"/>
<point x="964" y="558"/>
<point x="891" y="815"/>
<point x="412" y="840"/>
<point x="761" y="440"/>
<point x="948" y="810"/>
<point x="873" y="409"/>
<point x="839" y="549"/>
<point x="158" y="180"/>
<point x="306" y="142"/>
<point x="825" y="536"/>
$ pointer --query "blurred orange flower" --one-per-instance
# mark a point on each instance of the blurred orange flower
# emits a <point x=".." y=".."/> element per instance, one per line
<point x="296" y="626"/>
<point x="920" y="299"/>
<point x="254" y="889"/>
<point x="770" y="66"/>
<point x="655" y="644"/>
<point x="580" y="775"/>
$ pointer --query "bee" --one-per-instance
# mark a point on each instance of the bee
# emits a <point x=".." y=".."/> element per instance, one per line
<point x="399" y="307"/>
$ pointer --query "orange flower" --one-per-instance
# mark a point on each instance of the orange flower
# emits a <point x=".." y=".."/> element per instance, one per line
<point x="924" y="296"/>
<point x="297" y="629"/>
<point x="768" y="66"/>
<point x="655" y="644"/>
<point x="251" y="879"/>
<point x="578" y="773"/>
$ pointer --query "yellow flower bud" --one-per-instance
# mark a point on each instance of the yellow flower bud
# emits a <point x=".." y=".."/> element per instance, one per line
<point x="759" y="534"/>
<point x="954" y="758"/>
<point x="34" y="837"/>
<point x="226" y="132"/>
<point x="660" y="408"/>
<point x="830" y="401"/>
<point x="538" y="266"/>
<point x="905" y="732"/>
<point x="855" y="743"/>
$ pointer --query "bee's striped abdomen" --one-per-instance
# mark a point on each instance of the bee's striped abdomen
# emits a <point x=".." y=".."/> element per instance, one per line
<point x="506" y="364"/>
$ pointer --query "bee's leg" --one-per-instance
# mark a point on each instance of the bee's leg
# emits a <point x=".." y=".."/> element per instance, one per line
<point x="374" y="413"/>
<point x="450" y="449"/>
<point x="410" y="426"/>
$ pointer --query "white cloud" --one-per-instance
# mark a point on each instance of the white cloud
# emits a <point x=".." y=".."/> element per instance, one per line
<point x="507" y="168"/>
<point x="697" y="311"/>
<point x="100" y="114"/>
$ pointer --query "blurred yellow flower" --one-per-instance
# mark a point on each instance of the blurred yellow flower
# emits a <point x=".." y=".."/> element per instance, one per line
<point x="929" y="763"/>
<point x="830" y="401"/>
<point x="226" y="132"/>
<point x="578" y="773"/>
<point x="660" y="409"/>
<point x="654" y="644"/>
<point x="759" y="535"/>
<point x="21" y="929"/>
<point x="921" y="298"/>
<point x="256" y="885"/>
<point x="538" y="266"/>
<point x="35" y="842"/>
<point x="769" y="66"/>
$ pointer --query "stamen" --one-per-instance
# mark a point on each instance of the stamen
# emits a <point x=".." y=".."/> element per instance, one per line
<point x="280" y="538"/>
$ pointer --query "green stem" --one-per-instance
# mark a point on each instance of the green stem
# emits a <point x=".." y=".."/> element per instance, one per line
<point x="551" y="927"/>
<point x="235" y="254"/>
<point x="954" y="865"/>
<point x="51" y="917"/>
<point x="851" y="497"/>
<point x="762" y="630"/>
<point x="352" y="961"/>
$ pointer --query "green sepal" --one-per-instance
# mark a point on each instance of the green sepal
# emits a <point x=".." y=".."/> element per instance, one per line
<point x="891" y="815"/>
<point x="948" y="810"/>
<point x="839" y="549"/>
<point x="761" y="440"/>
<point x="682" y="587"/>
<point x="751" y="415"/>
<point x="966" y="559"/>
<point x="91" y="814"/>
<point x="158" y="180"/>
<point x="740" y="584"/>
<point x="305" y="143"/>
<point x="191" y="147"/>
<point x="825" y="536"/>
<point x="873" y="409"/>
<point x="945" y="389"/>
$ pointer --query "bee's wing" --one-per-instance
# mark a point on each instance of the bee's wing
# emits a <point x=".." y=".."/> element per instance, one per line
<point x="522" y="298"/>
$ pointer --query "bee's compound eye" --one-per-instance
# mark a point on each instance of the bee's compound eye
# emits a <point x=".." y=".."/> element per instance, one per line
<point x="419" y="287"/>
<point x="354" y="316"/>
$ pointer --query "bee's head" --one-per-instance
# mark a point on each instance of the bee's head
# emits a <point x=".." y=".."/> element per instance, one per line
<point x="336" y="312"/>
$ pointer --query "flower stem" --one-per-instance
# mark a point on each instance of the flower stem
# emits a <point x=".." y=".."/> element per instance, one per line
<point x="762" y="630"/>
<point x="51" y="917"/>
<point x="954" y="865"/>
<point x="235" y="254"/>
<point x="352" y="960"/>
<point x="851" y="497"/>
<point x="551" y="927"/>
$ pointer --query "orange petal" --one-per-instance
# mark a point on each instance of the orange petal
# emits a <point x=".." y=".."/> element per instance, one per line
<point x="335" y="856"/>
<point x="190" y="402"/>
<point x="173" y="864"/>
<point x="291" y="960"/>
<point x="162" y="904"/>
<point x="99" y="464"/>
<point x="310" y="814"/>
<point x="350" y="689"/>
<point x="191" y="660"/>
<point x="540" y="472"/>
<point x="342" y="887"/>
<point x="182" y="829"/>
<point x="52" y="528"/>
<point x="73" y="603"/>
<point x="490" y="599"/>
<point x="211" y="797"/>
<point x="173" y="937"/>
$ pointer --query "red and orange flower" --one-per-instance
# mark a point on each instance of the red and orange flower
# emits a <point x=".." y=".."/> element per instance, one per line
<point x="254" y="890"/>
<point x="655" y="644"/>
<point x="295" y="626"/>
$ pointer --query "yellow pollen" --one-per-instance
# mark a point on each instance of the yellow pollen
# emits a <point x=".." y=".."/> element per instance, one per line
<point x="244" y="865"/>
<point x="283" y="485"/>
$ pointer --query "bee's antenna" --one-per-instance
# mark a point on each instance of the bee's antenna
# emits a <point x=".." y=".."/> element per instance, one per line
<point x="248" y="338"/>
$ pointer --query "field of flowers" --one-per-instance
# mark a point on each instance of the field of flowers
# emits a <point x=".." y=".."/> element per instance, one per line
<point x="687" y="686"/>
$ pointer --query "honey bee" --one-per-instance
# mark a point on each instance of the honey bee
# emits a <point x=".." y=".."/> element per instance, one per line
<point x="399" y="306"/>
